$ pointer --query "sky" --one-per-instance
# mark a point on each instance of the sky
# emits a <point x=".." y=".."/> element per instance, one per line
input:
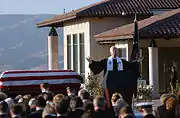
<point x="41" y="6"/>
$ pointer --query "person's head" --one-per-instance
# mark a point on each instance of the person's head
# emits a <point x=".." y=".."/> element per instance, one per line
<point x="114" y="51"/>
<point x="75" y="102"/>
<point x="89" y="107"/>
<point x="49" y="111"/>
<point x="170" y="103"/>
<point x="126" y="111"/>
<point x="16" y="109"/>
<point x="164" y="97"/>
<point x="27" y="96"/>
<point x="145" y="108"/>
<point x="84" y="94"/>
<point x="17" y="98"/>
<point x="48" y="97"/>
<point x="24" y="103"/>
<point x="58" y="98"/>
<point x="4" y="107"/>
<point x="70" y="90"/>
<point x="3" y="96"/>
<point x="99" y="103"/>
<point x="9" y="101"/>
<point x="120" y="103"/>
<point x="88" y="110"/>
<point x="41" y="102"/>
<point x="62" y="106"/>
<point x="44" y="86"/>
<point x="114" y="98"/>
<point x="32" y="104"/>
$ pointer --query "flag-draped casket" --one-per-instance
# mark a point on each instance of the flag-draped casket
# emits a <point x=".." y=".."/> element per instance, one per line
<point x="28" y="81"/>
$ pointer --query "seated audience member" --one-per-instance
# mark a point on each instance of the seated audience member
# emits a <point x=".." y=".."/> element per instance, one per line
<point x="99" y="107"/>
<point x="88" y="111"/>
<point x="27" y="97"/>
<point x="3" y="96"/>
<point x="48" y="97"/>
<point x="84" y="95"/>
<point x="45" y="88"/>
<point x="4" y="110"/>
<point x="71" y="92"/>
<point x="168" y="110"/>
<point x="9" y="101"/>
<point x="76" y="106"/>
<point x="41" y="103"/>
<point x="120" y="103"/>
<point x="25" y="107"/>
<point x="16" y="111"/>
<point x="17" y="98"/>
<point x="49" y="111"/>
<point x="58" y="98"/>
<point x="146" y="109"/>
<point x="62" y="108"/>
<point x="114" y="98"/>
<point x="126" y="112"/>
<point x="32" y="104"/>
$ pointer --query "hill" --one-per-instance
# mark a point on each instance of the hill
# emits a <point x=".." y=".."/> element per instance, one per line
<point x="23" y="46"/>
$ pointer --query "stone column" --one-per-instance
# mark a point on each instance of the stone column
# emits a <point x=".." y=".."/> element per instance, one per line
<point x="53" y="50"/>
<point x="153" y="69"/>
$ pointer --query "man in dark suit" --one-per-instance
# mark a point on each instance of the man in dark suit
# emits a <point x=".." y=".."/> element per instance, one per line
<point x="62" y="108"/>
<point x="99" y="103"/>
<point x="16" y="111"/>
<point x="4" y="110"/>
<point x="119" y="75"/>
<point x="71" y="92"/>
<point x="41" y="103"/>
<point x="146" y="109"/>
<point x="76" y="106"/>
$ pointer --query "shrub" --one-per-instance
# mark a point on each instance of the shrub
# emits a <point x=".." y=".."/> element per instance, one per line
<point x="93" y="85"/>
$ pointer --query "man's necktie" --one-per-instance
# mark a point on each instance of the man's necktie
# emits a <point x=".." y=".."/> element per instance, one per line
<point x="115" y="65"/>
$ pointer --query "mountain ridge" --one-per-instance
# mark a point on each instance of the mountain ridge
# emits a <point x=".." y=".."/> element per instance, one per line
<point x="23" y="45"/>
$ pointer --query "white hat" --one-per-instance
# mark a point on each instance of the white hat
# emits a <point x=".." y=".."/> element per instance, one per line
<point x="144" y="104"/>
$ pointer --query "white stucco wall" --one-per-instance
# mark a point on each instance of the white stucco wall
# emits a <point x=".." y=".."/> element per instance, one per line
<point x="81" y="26"/>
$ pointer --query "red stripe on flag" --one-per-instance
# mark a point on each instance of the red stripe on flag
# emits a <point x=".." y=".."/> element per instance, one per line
<point x="40" y="78"/>
<point x="52" y="86"/>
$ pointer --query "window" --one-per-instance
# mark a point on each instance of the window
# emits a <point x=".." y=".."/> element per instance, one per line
<point x="82" y="53"/>
<point x="122" y="53"/>
<point x="75" y="52"/>
<point x="68" y="51"/>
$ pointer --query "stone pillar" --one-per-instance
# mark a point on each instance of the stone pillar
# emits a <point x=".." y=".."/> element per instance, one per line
<point x="53" y="50"/>
<point x="153" y="69"/>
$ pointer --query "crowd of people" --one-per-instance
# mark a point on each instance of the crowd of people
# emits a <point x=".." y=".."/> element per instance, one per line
<point x="80" y="105"/>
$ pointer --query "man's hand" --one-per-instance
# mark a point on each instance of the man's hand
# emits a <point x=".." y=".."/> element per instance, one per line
<point x="89" y="60"/>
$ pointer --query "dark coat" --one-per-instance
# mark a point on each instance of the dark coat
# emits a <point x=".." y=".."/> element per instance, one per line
<point x="36" y="114"/>
<point x="124" y="82"/>
<point x="163" y="113"/>
<point x="76" y="113"/>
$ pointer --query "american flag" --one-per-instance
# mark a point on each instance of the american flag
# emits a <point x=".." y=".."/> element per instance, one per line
<point x="22" y="80"/>
<point x="135" y="55"/>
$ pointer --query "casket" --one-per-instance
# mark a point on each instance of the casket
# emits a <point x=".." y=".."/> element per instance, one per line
<point x="15" y="82"/>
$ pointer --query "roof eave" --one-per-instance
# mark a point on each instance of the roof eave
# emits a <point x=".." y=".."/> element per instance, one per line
<point x="54" y="22"/>
<point x="113" y="38"/>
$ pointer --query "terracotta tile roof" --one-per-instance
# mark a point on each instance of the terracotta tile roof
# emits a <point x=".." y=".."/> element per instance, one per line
<point x="166" y="25"/>
<point x="106" y="8"/>
<point x="67" y="16"/>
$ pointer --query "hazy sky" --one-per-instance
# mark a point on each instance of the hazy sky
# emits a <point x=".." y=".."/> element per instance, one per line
<point x="41" y="6"/>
